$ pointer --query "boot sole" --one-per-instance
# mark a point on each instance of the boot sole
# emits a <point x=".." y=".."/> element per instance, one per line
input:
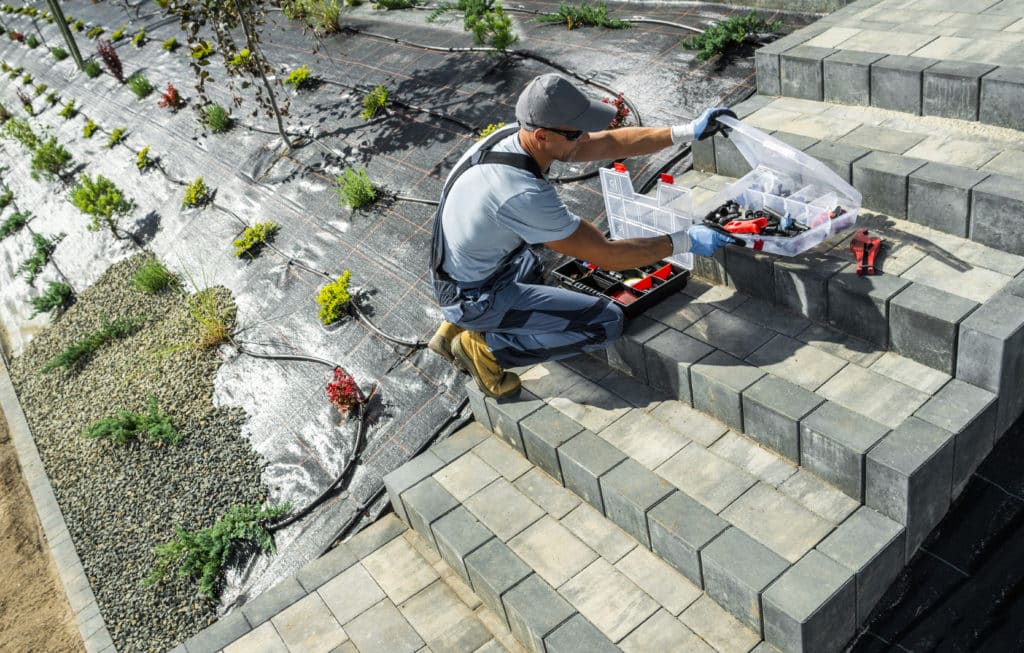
<point x="439" y="345"/>
<point x="466" y="365"/>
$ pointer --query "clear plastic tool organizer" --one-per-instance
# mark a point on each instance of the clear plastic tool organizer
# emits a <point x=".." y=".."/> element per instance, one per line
<point x="788" y="182"/>
<point x="631" y="215"/>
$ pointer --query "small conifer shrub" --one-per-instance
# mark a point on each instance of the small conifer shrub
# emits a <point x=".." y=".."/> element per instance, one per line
<point x="49" y="159"/>
<point x="153" y="277"/>
<point x="376" y="100"/>
<point x="57" y="296"/>
<point x="126" y="427"/>
<point x="334" y="298"/>
<point x="139" y="39"/>
<point x="60" y="54"/>
<point x="254" y="237"/>
<point x="89" y="128"/>
<point x="142" y="159"/>
<point x="139" y="85"/>
<point x="170" y="45"/>
<point x="197" y="193"/>
<point x="116" y="137"/>
<point x="216" y="118"/>
<point x="92" y="68"/>
<point x="101" y="200"/>
<point x="355" y="188"/>
<point x="68" y="111"/>
<point x="298" y="78"/>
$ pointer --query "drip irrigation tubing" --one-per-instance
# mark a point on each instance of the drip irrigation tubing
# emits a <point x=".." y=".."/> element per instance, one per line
<point x="407" y="105"/>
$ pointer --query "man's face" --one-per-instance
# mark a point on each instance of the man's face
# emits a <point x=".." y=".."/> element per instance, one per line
<point x="563" y="142"/>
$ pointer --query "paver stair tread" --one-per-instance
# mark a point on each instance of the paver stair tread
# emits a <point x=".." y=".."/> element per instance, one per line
<point x="551" y="563"/>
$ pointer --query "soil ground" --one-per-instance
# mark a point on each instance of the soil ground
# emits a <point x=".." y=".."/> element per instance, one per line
<point x="34" y="613"/>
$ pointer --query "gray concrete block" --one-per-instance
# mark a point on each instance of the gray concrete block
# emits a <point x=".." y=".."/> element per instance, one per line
<point x="838" y="156"/>
<point x="811" y="607"/>
<point x="534" y="609"/>
<point x="872" y="546"/>
<point x="477" y="403"/>
<point x="627" y="353"/>
<point x="990" y="354"/>
<point x="801" y="283"/>
<point x="970" y="412"/>
<point x="711" y="268"/>
<point x="493" y="570"/>
<point x="272" y="601"/>
<point x="750" y="272"/>
<point x="772" y="410"/>
<point x="847" y="75"/>
<point x="995" y="203"/>
<point x="458" y="534"/>
<point x="680" y="529"/>
<point x="833" y="444"/>
<point x="543" y="432"/>
<point x="1002" y="96"/>
<point x="670" y="355"/>
<point x="908" y="477"/>
<point x="728" y="160"/>
<point x="882" y="179"/>
<point x="737" y="569"/>
<point x="859" y="305"/>
<point x="718" y="381"/>
<point x="801" y="72"/>
<point x="577" y="635"/>
<point x="219" y="635"/>
<point x="762" y="313"/>
<point x="326" y="567"/>
<point x="796" y="141"/>
<point x="703" y="153"/>
<point x="374" y="537"/>
<point x="952" y="89"/>
<point x="896" y="82"/>
<point x="730" y="333"/>
<point x="923" y="325"/>
<point x="425" y="503"/>
<point x="766" y="63"/>
<point x="407" y="476"/>
<point x="939" y="196"/>
<point x="505" y="415"/>
<point x="584" y="459"/>
<point x="460" y="442"/>
<point x="629" y="491"/>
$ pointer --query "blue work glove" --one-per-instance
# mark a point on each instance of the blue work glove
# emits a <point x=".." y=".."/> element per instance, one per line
<point x="701" y="127"/>
<point x="699" y="240"/>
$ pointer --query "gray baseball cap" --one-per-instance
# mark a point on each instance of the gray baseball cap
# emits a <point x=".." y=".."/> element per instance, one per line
<point x="553" y="101"/>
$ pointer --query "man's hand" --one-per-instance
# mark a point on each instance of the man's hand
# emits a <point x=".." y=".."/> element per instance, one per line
<point x="704" y="126"/>
<point x="699" y="240"/>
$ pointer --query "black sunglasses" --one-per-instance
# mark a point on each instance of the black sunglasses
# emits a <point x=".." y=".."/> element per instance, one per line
<point x="569" y="134"/>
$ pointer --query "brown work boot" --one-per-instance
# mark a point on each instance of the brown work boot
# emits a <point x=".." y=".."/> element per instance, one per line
<point x="473" y="354"/>
<point x="441" y="343"/>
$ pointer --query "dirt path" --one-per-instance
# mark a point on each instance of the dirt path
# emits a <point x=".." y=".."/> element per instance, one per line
<point x="34" y="613"/>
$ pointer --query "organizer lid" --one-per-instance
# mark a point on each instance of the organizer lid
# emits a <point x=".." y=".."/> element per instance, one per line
<point x="760" y="149"/>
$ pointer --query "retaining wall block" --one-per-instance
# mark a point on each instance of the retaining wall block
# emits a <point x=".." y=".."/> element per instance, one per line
<point x="847" y="77"/>
<point x="923" y="325"/>
<point x="750" y="272"/>
<point x="881" y="178"/>
<point x="408" y="475"/>
<point x="543" y="432"/>
<point x="952" y="89"/>
<point x="493" y="570"/>
<point x="996" y="203"/>
<point x="458" y="534"/>
<point x="838" y="156"/>
<point x="801" y="283"/>
<point x="718" y="381"/>
<point x="737" y="569"/>
<point x="1002" y="96"/>
<point x="859" y="305"/>
<point x="629" y="491"/>
<point x="535" y="609"/>
<point x="425" y="503"/>
<point x="896" y="82"/>
<point x="505" y="415"/>
<point x="627" y="353"/>
<point x="939" y="196"/>
<point x="577" y="635"/>
<point x="584" y="459"/>
<point x="801" y="72"/>
<point x="680" y="530"/>
<point x="670" y="355"/>
<point x="834" y="442"/>
<point x="772" y="411"/>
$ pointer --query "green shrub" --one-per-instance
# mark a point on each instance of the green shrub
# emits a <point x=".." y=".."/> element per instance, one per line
<point x="139" y="39"/>
<point x="321" y="16"/>
<point x="78" y="25"/>
<point x="19" y="130"/>
<point x="489" y="129"/>
<point x="355" y="188"/>
<point x="118" y="34"/>
<point x="493" y="28"/>
<point x="396" y="4"/>
<point x="376" y="100"/>
<point x="52" y="98"/>
<point x="5" y="115"/>
<point x="5" y="198"/>
<point x="202" y="554"/>
<point x="202" y="50"/>
<point x="728" y="35"/>
<point x="69" y="111"/>
<point x="139" y="85"/>
<point x="212" y="316"/>
<point x="142" y="159"/>
<point x="298" y="77"/>
<point x="584" y="14"/>
<point x="13" y="223"/>
<point x="94" y="32"/>
<point x="57" y="296"/>
<point x="42" y="247"/>
<point x="170" y="45"/>
<point x="32" y="41"/>
<point x="26" y="78"/>
<point x="89" y="128"/>
<point x="40" y="89"/>
<point x="127" y="427"/>
<point x="197" y="193"/>
<point x="75" y="355"/>
<point x="241" y="59"/>
<point x="49" y="159"/>
<point x="255" y="236"/>
<point x="60" y="54"/>
<point x="334" y="298"/>
<point x="101" y="200"/>
<point x="92" y="68"/>
<point x="153" y="277"/>
<point x="216" y="118"/>
<point x="116" y="137"/>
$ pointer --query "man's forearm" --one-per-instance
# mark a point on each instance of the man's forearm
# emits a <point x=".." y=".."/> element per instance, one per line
<point x="633" y="253"/>
<point x="624" y="142"/>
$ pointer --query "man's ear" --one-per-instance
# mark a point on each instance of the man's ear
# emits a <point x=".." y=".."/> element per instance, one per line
<point x="540" y="134"/>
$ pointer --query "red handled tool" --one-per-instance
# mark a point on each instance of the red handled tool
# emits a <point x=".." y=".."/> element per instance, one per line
<point x="865" y="247"/>
<point x="754" y="226"/>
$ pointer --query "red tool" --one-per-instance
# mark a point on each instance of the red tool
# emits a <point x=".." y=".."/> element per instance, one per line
<point x="746" y="226"/>
<point x="865" y="247"/>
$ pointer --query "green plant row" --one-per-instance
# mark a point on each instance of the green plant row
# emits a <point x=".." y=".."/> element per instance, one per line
<point x="126" y="426"/>
<point x="42" y="248"/>
<point x="728" y="35"/>
<point x="57" y="296"/>
<point x="76" y="354"/>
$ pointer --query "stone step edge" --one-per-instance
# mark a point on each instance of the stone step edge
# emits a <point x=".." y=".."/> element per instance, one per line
<point x="978" y="92"/>
<point x="870" y="564"/>
<point x="957" y="200"/>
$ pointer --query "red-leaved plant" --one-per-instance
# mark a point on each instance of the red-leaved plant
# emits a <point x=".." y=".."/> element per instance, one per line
<point x="110" y="59"/>
<point x="170" y="99"/>
<point x="621" y="111"/>
<point x="343" y="392"/>
<point x="17" y="36"/>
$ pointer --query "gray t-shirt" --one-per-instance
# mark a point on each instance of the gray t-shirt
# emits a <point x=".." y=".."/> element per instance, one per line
<point x="492" y="209"/>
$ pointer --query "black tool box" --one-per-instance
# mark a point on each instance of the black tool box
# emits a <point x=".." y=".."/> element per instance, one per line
<point x="634" y="291"/>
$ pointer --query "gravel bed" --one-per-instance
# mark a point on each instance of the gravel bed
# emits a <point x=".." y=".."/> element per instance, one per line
<point x="120" y="502"/>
